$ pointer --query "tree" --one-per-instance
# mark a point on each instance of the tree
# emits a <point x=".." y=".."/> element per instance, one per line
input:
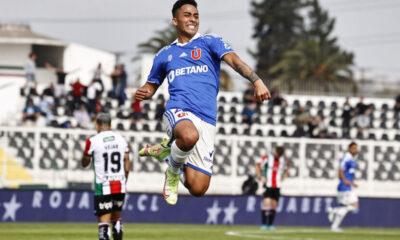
<point x="279" y="26"/>
<point x="316" y="63"/>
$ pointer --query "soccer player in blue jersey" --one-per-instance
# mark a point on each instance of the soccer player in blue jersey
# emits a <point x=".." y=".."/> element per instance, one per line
<point x="191" y="65"/>
<point x="347" y="198"/>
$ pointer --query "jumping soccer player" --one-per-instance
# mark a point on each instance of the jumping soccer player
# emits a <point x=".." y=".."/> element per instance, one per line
<point x="347" y="198"/>
<point x="110" y="153"/>
<point x="271" y="170"/>
<point x="192" y="66"/>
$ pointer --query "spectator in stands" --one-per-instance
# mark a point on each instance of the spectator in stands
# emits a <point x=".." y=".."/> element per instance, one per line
<point x="49" y="91"/>
<point x="250" y="105"/>
<point x="77" y="91"/>
<point x="30" y="68"/>
<point x="60" y="90"/>
<point x="361" y="107"/>
<point x="364" y="120"/>
<point x="347" y="115"/>
<point x="123" y="77"/>
<point x="301" y="120"/>
<point x="313" y="124"/>
<point x="82" y="117"/>
<point x="276" y="99"/>
<point x="397" y="106"/>
<point x="137" y="114"/>
<point x="31" y="112"/>
<point x="46" y="108"/>
<point x="115" y="81"/>
<point x="322" y="128"/>
<point x="91" y="98"/>
<point x="98" y="72"/>
<point x="160" y="109"/>
<point x="250" y="186"/>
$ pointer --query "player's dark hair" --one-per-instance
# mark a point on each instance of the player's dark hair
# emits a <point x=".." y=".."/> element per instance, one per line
<point x="352" y="144"/>
<point x="280" y="150"/>
<point x="178" y="4"/>
<point x="103" y="119"/>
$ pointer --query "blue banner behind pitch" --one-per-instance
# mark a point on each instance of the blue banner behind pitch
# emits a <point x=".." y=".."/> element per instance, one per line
<point x="77" y="206"/>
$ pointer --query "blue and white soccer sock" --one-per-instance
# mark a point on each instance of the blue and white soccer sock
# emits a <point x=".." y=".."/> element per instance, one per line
<point x="177" y="158"/>
<point x="104" y="231"/>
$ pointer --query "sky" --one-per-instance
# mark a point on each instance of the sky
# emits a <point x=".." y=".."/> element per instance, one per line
<point x="368" y="28"/>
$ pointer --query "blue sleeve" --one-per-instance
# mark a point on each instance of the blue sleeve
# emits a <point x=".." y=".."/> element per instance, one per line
<point x="218" y="47"/>
<point x="158" y="71"/>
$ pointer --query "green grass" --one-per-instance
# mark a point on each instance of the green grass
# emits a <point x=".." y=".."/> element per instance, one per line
<point x="75" y="231"/>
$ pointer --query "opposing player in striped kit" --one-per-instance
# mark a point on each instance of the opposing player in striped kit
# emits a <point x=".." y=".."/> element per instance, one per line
<point x="271" y="170"/>
<point x="110" y="153"/>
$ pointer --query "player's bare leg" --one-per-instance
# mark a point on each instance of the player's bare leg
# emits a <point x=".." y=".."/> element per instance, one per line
<point x="104" y="223"/>
<point x="269" y="206"/>
<point x="196" y="182"/>
<point x="117" y="227"/>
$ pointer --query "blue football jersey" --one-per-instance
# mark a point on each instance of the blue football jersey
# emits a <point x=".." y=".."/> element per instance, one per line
<point x="192" y="71"/>
<point x="349" y="165"/>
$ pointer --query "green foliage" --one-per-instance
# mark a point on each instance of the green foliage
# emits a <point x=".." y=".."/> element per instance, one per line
<point x="314" y="62"/>
<point x="161" y="39"/>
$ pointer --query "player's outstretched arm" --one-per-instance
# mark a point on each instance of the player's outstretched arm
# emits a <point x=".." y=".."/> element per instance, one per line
<point x="261" y="91"/>
<point x="146" y="91"/>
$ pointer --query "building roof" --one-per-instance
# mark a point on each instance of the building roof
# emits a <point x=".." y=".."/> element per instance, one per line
<point x="22" y="34"/>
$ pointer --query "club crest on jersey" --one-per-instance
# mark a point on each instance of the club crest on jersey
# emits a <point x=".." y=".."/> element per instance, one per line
<point x="196" y="54"/>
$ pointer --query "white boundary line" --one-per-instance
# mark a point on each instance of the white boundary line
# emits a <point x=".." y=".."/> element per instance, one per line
<point x="260" y="234"/>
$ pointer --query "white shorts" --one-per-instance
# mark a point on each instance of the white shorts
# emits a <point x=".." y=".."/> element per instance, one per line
<point x="347" y="197"/>
<point x="201" y="158"/>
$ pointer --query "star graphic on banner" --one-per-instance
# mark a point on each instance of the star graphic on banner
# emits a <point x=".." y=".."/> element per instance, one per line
<point x="230" y="212"/>
<point x="213" y="213"/>
<point x="11" y="208"/>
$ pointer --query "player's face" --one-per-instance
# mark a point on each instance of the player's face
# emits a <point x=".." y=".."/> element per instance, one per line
<point x="186" y="20"/>
<point x="353" y="150"/>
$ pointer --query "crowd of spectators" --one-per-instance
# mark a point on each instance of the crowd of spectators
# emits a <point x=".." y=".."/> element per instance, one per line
<point x="82" y="102"/>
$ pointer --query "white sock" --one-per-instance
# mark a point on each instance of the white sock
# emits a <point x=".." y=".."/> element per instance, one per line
<point x="177" y="158"/>
<point x="340" y="213"/>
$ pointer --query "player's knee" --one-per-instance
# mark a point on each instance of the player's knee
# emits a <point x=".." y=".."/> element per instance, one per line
<point x="198" y="190"/>
<point x="189" y="140"/>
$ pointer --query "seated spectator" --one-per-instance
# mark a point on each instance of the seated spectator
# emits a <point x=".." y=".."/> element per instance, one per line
<point x="77" y="91"/>
<point x="31" y="112"/>
<point x="364" y="120"/>
<point x="301" y="120"/>
<point x="397" y="105"/>
<point x="160" y="109"/>
<point x="347" y="115"/>
<point x="313" y="126"/>
<point x="46" y="108"/>
<point x="137" y="114"/>
<point x="83" y="118"/>
<point x="361" y="107"/>
<point x="123" y="77"/>
<point x="250" y="105"/>
<point x="322" y="128"/>
<point x="250" y="186"/>
<point x="49" y="91"/>
<point x="276" y="99"/>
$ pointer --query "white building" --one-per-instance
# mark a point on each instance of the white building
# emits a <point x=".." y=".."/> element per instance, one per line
<point x="17" y="41"/>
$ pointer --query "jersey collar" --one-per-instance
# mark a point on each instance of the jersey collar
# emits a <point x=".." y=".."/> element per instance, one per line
<point x="183" y="44"/>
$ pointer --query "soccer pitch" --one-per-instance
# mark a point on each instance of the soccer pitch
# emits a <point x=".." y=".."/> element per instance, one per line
<point x="73" y="231"/>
